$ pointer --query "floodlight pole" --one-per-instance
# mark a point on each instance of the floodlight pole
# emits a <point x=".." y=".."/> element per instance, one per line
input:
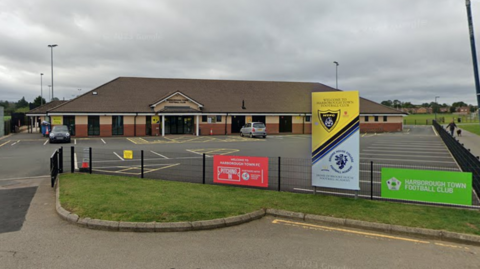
<point x="336" y="74"/>
<point x="437" y="107"/>
<point x="41" y="89"/>
<point x="474" y="53"/>
<point x="51" y="55"/>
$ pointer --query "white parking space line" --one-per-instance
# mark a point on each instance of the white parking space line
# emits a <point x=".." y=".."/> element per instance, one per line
<point x="396" y="143"/>
<point x="103" y="141"/>
<point x="75" y="141"/>
<point x="45" y="142"/>
<point x="158" y="154"/>
<point x="407" y="155"/>
<point x="76" y="162"/>
<point x="402" y="151"/>
<point x="411" y="149"/>
<point x="406" y="160"/>
<point x="118" y="156"/>
<point x="16" y="143"/>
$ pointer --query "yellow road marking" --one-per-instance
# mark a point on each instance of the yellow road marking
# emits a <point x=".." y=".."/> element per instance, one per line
<point x="450" y="246"/>
<point x="5" y="143"/>
<point x="277" y="221"/>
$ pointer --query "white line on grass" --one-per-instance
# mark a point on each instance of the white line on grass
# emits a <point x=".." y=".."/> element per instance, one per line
<point x="118" y="156"/>
<point x="158" y="154"/>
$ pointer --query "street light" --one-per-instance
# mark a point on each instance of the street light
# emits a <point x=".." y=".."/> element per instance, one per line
<point x="51" y="49"/>
<point x="41" y="89"/>
<point x="49" y="86"/>
<point x="474" y="52"/>
<point x="336" y="73"/>
<point x="437" y="106"/>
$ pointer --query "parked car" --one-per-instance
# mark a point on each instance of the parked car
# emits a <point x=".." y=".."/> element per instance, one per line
<point x="59" y="133"/>
<point x="254" y="129"/>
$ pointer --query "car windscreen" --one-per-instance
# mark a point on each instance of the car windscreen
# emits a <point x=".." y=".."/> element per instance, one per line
<point x="60" y="129"/>
<point x="259" y="125"/>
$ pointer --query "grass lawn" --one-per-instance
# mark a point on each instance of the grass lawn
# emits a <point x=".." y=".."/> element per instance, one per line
<point x="426" y="119"/>
<point x="133" y="199"/>
<point x="473" y="128"/>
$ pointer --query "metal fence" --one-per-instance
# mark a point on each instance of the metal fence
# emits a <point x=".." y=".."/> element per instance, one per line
<point x="284" y="174"/>
<point x="465" y="159"/>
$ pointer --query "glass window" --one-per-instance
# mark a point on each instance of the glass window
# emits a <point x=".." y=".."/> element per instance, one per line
<point x="117" y="125"/>
<point x="258" y="125"/>
<point x="385" y="118"/>
<point x="366" y="118"/>
<point x="308" y="118"/>
<point x="376" y="118"/>
<point x="204" y="119"/>
<point x="219" y="118"/>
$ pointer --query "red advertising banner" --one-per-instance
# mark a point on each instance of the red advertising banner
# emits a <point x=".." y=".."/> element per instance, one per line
<point x="240" y="170"/>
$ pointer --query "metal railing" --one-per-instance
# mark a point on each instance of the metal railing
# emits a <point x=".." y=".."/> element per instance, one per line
<point x="465" y="159"/>
<point x="284" y="174"/>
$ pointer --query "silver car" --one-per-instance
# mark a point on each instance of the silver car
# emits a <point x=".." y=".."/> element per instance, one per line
<point x="254" y="129"/>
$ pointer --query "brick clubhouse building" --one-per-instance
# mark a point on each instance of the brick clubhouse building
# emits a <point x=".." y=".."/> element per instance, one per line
<point x="131" y="106"/>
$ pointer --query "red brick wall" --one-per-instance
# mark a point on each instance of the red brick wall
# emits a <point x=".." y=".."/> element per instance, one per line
<point x="128" y="130"/>
<point x="141" y="129"/>
<point x="218" y="129"/>
<point x="105" y="130"/>
<point x="380" y="127"/>
<point x="273" y="128"/>
<point x="81" y="130"/>
<point x="308" y="128"/>
<point x="155" y="131"/>
<point x="297" y="128"/>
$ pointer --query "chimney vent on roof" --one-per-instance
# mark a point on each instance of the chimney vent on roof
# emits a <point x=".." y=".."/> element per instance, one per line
<point x="94" y="93"/>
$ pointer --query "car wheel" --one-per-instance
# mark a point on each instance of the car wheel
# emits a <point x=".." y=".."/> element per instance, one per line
<point x="241" y="134"/>
<point x="264" y="136"/>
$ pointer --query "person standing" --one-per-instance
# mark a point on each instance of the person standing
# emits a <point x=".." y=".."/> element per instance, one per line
<point x="452" y="127"/>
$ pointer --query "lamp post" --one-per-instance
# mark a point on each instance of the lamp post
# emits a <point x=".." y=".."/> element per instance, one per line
<point x="336" y="74"/>
<point x="437" y="106"/>
<point x="474" y="52"/>
<point x="41" y="89"/>
<point x="49" y="86"/>
<point x="51" y="54"/>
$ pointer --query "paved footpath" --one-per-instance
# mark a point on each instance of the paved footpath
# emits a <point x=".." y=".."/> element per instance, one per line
<point x="471" y="141"/>
<point x="46" y="241"/>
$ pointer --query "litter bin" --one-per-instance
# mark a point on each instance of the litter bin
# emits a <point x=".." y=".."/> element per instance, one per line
<point x="45" y="127"/>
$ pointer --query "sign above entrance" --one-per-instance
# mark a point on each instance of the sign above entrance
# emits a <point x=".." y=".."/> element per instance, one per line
<point x="155" y="119"/>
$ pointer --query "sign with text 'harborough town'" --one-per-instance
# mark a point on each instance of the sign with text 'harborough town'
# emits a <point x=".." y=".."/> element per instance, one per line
<point x="427" y="186"/>
<point x="240" y="170"/>
<point x="335" y="140"/>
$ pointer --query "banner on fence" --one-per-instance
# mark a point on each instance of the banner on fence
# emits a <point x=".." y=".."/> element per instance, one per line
<point x="427" y="186"/>
<point x="241" y="170"/>
<point x="335" y="140"/>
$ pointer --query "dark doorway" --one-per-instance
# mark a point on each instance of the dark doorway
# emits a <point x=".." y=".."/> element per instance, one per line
<point x="93" y="125"/>
<point x="258" y="119"/>
<point x="117" y="125"/>
<point x="237" y="123"/>
<point x="178" y="125"/>
<point x="148" y="126"/>
<point x="285" y="124"/>
<point x="70" y="122"/>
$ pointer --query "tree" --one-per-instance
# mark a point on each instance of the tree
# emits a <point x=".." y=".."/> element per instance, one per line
<point x="55" y="99"/>
<point x="408" y="105"/>
<point x="387" y="103"/>
<point x="39" y="101"/>
<point x="397" y="104"/>
<point x="22" y="103"/>
<point x="459" y="104"/>
<point x="425" y="105"/>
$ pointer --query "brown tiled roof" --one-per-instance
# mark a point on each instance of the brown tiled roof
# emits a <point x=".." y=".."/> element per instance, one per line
<point x="135" y="95"/>
<point x="46" y="107"/>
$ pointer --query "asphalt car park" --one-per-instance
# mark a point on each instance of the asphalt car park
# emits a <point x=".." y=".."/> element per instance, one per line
<point x="179" y="157"/>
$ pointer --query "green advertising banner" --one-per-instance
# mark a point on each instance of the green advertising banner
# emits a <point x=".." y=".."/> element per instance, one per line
<point x="427" y="186"/>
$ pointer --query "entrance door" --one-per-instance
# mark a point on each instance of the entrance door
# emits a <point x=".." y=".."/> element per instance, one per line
<point x="93" y="125"/>
<point x="237" y="123"/>
<point x="178" y="125"/>
<point x="148" y="126"/>
<point x="70" y="122"/>
<point x="285" y="124"/>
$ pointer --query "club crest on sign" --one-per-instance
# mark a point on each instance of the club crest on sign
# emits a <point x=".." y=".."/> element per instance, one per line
<point x="329" y="118"/>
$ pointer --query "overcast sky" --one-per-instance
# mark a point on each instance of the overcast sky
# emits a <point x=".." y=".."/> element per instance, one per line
<point x="411" y="50"/>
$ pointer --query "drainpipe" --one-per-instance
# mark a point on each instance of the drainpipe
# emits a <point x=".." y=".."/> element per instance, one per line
<point x="135" y="125"/>
<point x="226" y="119"/>
<point x="305" y="114"/>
